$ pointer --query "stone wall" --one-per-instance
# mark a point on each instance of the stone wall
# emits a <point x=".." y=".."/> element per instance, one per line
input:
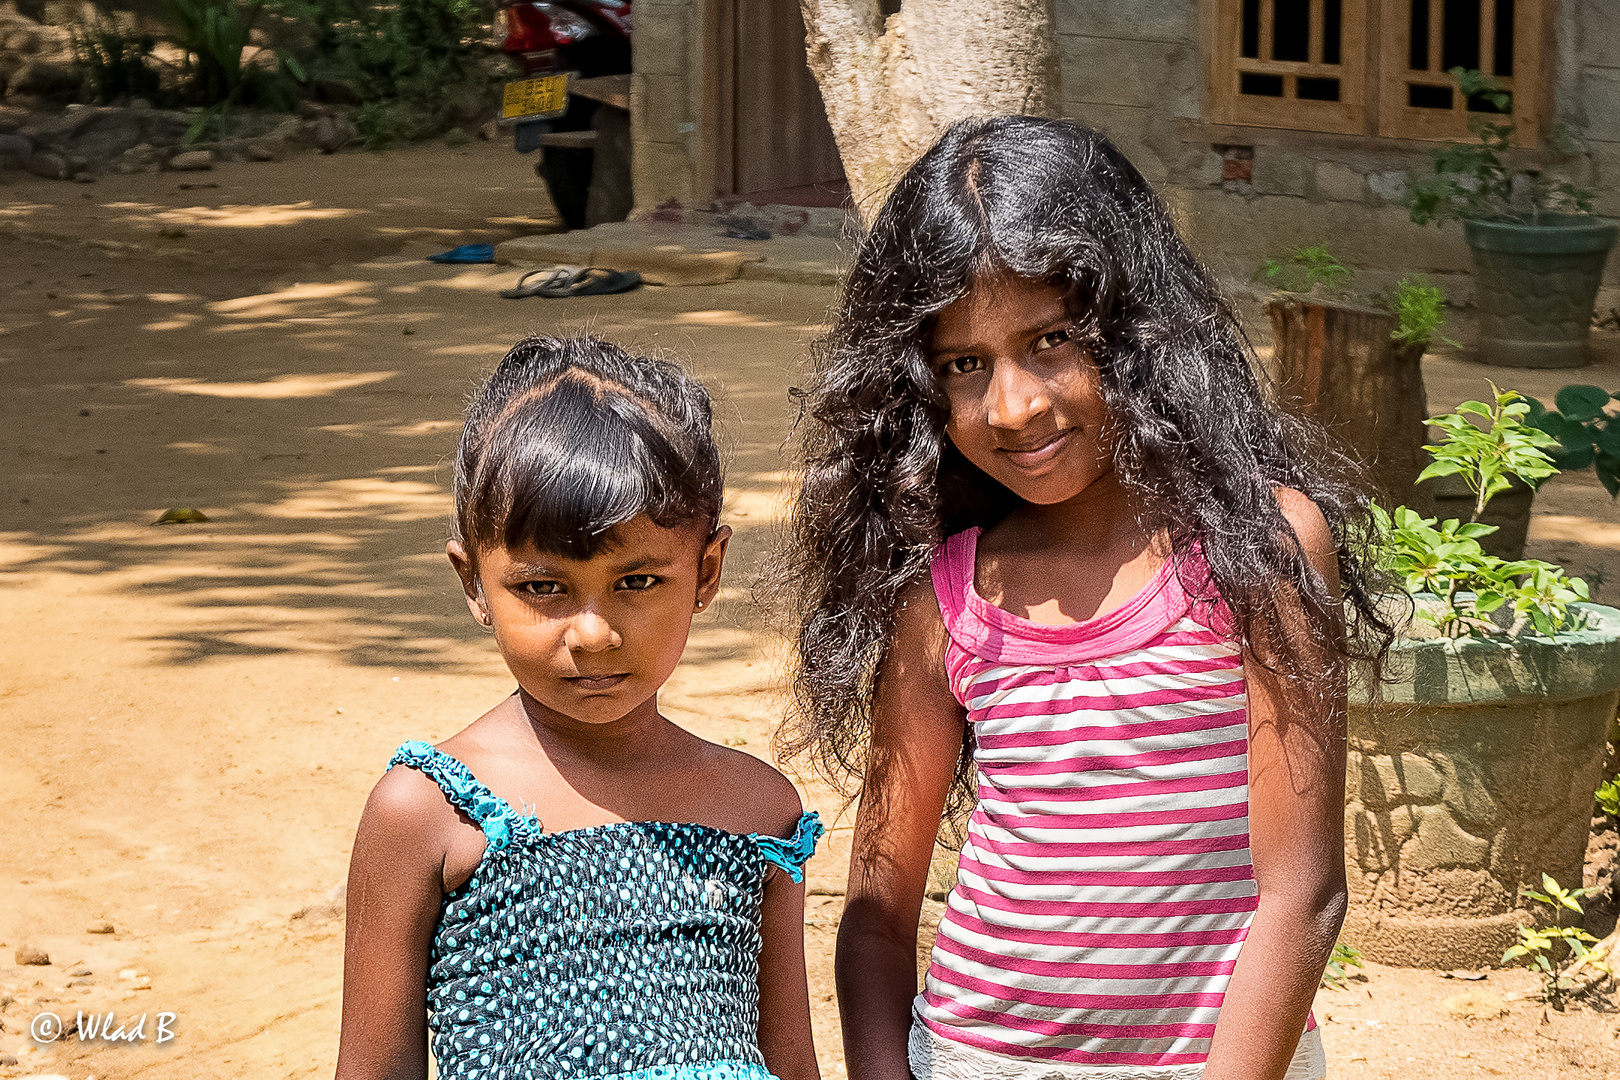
<point x="1136" y="72"/>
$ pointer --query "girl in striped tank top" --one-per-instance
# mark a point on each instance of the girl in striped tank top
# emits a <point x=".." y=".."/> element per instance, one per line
<point x="1066" y="570"/>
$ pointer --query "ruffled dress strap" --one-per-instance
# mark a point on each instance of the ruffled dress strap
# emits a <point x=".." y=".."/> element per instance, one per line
<point x="464" y="791"/>
<point x="791" y="854"/>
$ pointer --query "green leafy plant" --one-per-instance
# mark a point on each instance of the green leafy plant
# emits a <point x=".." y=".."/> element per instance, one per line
<point x="1587" y="435"/>
<point x="1551" y="950"/>
<point x="117" y="60"/>
<point x="1473" y="180"/>
<point x="1336" y="976"/>
<point x="1485" y="458"/>
<point x="1304" y="269"/>
<point x="412" y="66"/>
<point x="1473" y="591"/>
<point x="1420" y="312"/>
<point x="1476" y="593"/>
<point x="1608" y="797"/>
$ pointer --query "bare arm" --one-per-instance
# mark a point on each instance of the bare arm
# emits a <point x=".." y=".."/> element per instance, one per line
<point x="916" y="738"/>
<point x="396" y="887"/>
<point x="784" y="996"/>
<point x="1296" y="833"/>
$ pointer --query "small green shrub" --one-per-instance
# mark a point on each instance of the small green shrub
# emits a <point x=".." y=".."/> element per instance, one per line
<point x="1304" y="270"/>
<point x="1486" y="458"/>
<point x="1479" y="593"/>
<point x="1608" y="797"/>
<point x="1337" y="974"/>
<point x="1550" y="950"/>
<point x="1420" y="312"/>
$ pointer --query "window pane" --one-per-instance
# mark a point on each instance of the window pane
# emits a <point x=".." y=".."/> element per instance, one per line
<point x="1260" y="85"/>
<point x="1291" y="30"/>
<point x="1419" y="60"/>
<point x="1251" y="29"/>
<point x="1504" y="39"/>
<point x="1318" y="89"/>
<point x="1332" y="15"/>
<point x="1479" y="104"/>
<point x="1460" y="47"/>
<point x="1428" y="97"/>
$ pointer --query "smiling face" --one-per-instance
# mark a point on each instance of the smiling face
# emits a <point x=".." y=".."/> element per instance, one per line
<point x="1025" y="397"/>
<point x="593" y="639"/>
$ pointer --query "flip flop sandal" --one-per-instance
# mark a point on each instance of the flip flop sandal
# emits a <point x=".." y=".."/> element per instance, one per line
<point x="466" y="253"/>
<point x="537" y="282"/>
<point x="597" y="281"/>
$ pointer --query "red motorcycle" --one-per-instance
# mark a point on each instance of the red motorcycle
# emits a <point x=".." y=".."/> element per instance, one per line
<point x="572" y="103"/>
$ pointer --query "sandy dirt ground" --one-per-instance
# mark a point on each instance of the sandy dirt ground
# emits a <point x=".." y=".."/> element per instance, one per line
<point x="191" y="716"/>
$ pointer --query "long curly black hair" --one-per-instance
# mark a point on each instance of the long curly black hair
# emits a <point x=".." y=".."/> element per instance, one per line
<point x="1200" y="446"/>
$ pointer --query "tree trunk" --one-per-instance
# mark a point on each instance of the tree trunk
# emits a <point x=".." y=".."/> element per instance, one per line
<point x="1339" y="365"/>
<point x="892" y="86"/>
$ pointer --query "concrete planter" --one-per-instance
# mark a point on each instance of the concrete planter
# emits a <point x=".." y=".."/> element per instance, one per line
<point x="1535" y="286"/>
<point x="1470" y="777"/>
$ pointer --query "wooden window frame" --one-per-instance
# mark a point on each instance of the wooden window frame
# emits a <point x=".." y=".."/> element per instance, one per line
<point x="1373" y="73"/>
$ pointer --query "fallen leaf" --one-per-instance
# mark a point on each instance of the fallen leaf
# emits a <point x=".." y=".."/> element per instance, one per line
<point x="181" y="515"/>
<point x="1466" y="976"/>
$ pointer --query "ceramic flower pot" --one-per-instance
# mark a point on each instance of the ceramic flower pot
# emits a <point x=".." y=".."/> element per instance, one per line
<point x="1535" y="287"/>
<point x="1471" y="774"/>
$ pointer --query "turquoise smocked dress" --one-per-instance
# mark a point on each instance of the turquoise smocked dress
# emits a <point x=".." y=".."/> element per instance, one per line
<point x="628" y="950"/>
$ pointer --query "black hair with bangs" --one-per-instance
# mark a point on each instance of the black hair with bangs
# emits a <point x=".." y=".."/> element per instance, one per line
<point x="571" y="438"/>
<point x="1200" y="446"/>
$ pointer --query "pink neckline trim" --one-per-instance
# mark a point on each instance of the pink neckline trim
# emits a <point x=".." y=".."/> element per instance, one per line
<point x="996" y="634"/>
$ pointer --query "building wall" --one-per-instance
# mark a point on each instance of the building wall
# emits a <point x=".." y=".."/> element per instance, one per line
<point x="1136" y="72"/>
<point x="672" y="127"/>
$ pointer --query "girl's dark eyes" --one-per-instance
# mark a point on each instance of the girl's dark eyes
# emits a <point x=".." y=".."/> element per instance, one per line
<point x="540" y="588"/>
<point x="1052" y="339"/>
<point x="638" y="582"/>
<point x="630" y="583"/>
<point x="960" y="365"/>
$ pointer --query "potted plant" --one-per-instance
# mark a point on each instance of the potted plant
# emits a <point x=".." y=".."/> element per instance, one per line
<point x="1474" y="758"/>
<point x="1538" y="250"/>
<point x="1588" y="437"/>
<point x="1352" y="361"/>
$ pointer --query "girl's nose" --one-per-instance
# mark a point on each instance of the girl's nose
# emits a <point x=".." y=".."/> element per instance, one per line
<point x="1015" y="397"/>
<point x="589" y="632"/>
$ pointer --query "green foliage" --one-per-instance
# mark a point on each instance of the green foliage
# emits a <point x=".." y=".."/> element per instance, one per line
<point x="1304" y="270"/>
<point x="117" y="61"/>
<point x="1550" y="950"/>
<point x="1486" y="458"/>
<point x="1588" y="437"/>
<point x="1608" y="797"/>
<point x="1471" y="180"/>
<point x="405" y="62"/>
<point x="1419" y="309"/>
<point x="1337" y="974"/>
<point x="1479" y="593"/>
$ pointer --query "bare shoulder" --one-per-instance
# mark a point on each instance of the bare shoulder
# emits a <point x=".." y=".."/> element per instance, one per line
<point x="1312" y="529"/>
<point x="766" y="802"/>
<point x="919" y="627"/>
<point x="407" y="802"/>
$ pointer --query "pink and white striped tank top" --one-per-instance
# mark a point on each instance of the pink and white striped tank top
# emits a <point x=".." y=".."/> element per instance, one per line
<point x="1105" y="887"/>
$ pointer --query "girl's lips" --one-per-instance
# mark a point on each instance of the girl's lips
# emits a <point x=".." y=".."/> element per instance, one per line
<point x="598" y="682"/>
<point x="1037" y="456"/>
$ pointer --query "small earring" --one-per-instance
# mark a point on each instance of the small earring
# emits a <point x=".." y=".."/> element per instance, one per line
<point x="701" y="604"/>
<point x="483" y="618"/>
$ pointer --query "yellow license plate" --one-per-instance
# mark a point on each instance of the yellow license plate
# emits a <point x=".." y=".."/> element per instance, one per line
<point x="543" y="97"/>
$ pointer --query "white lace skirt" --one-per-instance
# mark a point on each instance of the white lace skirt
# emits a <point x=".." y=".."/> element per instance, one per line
<point x="934" y="1058"/>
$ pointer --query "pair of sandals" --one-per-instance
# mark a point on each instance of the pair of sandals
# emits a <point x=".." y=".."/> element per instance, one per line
<point x="560" y="282"/>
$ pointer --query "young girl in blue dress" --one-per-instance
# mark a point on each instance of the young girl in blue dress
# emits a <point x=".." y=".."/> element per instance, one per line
<point x="573" y="886"/>
<point x="1064" y="566"/>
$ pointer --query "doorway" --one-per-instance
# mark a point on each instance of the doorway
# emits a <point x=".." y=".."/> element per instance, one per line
<point x="775" y="143"/>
